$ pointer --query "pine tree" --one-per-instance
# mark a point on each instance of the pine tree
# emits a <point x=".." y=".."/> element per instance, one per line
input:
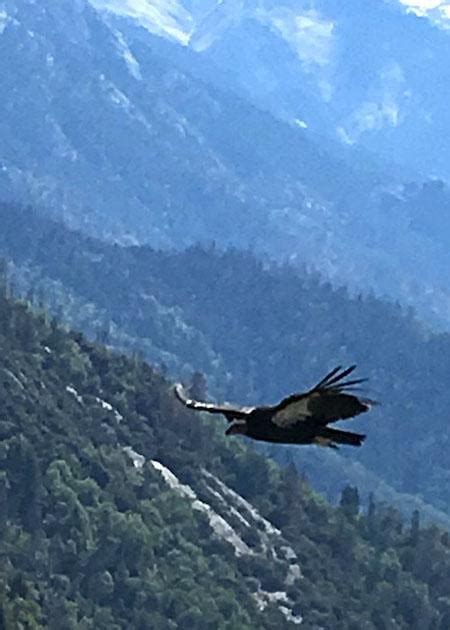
<point x="349" y="502"/>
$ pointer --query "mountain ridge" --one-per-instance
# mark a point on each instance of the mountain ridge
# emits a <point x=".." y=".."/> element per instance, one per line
<point x="114" y="138"/>
<point x="258" y="331"/>
<point x="337" y="74"/>
<point x="119" y="509"/>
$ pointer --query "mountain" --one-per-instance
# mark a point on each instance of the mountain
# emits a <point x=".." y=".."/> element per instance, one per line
<point x="323" y="66"/>
<point x="258" y="332"/>
<point x="96" y="530"/>
<point x="132" y="145"/>
<point x="104" y="129"/>
<point x="120" y="509"/>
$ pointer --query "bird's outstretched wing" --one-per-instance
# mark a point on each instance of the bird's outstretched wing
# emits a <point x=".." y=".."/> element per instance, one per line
<point x="328" y="401"/>
<point x="231" y="412"/>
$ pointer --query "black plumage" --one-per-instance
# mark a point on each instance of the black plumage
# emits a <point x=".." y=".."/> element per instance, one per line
<point x="300" y="418"/>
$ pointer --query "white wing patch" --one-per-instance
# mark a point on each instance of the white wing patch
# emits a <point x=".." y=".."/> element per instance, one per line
<point x="294" y="412"/>
<point x="210" y="407"/>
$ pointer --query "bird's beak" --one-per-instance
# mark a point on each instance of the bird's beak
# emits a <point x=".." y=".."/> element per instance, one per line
<point x="239" y="426"/>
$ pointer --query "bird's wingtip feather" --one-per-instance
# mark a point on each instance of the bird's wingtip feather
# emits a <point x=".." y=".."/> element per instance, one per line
<point x="179" y="392"/>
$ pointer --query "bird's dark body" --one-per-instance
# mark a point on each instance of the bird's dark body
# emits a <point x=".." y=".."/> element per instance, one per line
<point x="260" y="427"/>
<point x="301" y="418"/>
<point x="263" y="430"/>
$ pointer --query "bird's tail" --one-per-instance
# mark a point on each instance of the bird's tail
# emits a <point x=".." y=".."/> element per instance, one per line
<point x="331" y="437"/>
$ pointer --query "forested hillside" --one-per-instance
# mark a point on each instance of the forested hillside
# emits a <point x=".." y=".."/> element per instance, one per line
<point x="110" y="133"/>
<point x="258" y="332"/>
<point x="98" y="532"/>
<point x="92" y="535"/>
<point x="223" y="194"/>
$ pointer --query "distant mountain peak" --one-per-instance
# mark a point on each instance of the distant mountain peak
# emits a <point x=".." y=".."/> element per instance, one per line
<point x="167" y="18"/>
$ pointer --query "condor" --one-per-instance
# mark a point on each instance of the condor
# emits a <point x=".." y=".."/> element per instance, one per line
<point x="301" y="418"/>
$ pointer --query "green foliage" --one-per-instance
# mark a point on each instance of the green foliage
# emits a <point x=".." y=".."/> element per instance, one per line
<point x="350" y="502"/>
<point x="256" y="331"/>
<point x="89" y="540"/>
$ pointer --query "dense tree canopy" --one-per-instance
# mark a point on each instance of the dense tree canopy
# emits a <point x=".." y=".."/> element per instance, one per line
<point x="90" y="539"/>
<point x="258" y="332"/>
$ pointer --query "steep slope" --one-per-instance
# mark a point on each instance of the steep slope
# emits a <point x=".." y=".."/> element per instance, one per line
<point x="108" y="130"/>
<point x="111" y="536"/>
<point x="118" y="509"/>
<point x="258" y="332"/>
<point x="363" y="76"/>
<point x="126" y="144"/>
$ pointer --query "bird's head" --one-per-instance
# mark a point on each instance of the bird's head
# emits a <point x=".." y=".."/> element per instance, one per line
<point x="238" y="426"/>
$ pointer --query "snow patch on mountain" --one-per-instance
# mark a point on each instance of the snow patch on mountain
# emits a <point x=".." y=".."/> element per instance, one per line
<point x="422" y="7"/>
<point x="437" y="11"/>
<point x="311" y="35"/>
<point x="167" y="18"/>
<point x="387" y="106"/>
<point x="126" y="54"/>
<point x="211" y="26"/>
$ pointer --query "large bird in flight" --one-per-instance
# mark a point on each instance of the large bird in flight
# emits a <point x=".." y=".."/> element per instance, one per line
<point x="301" y="418"/>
